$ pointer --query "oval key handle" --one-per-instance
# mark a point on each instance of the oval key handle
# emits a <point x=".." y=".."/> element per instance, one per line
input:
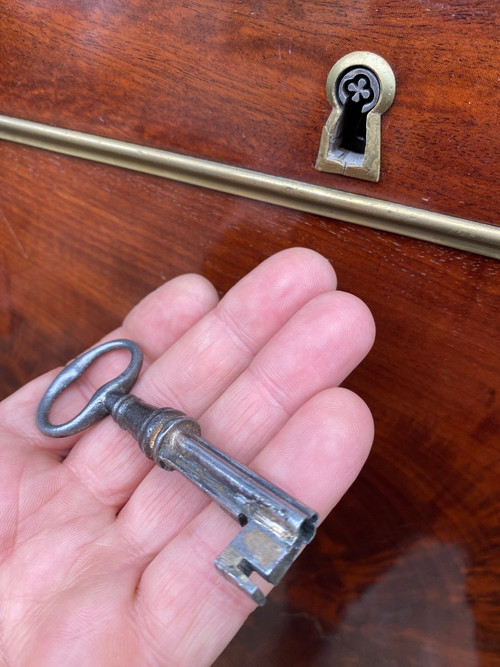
<point x="102" y="401"/>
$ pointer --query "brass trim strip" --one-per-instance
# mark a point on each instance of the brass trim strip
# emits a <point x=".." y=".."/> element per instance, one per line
<point x="446" y="230"/>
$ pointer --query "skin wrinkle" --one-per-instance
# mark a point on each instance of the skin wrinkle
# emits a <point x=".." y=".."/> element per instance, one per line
<point x="268" y="388"/>
<point x="87" y="480"/>
<point x="7" y="545"/>
<point x="228" y="323"/>
<point x="204" y="587"/>
<point x="208" y="352"/>
<point x="182" y="499"/>
<point x="222" y="597"/>
<point x="124" y="453"/>
<point x="153" y="650"/>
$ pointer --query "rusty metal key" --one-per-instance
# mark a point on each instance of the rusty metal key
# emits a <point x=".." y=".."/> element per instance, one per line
<point x="274" y="526"/>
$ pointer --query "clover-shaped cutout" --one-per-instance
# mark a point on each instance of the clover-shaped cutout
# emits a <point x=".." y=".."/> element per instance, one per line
<point x="359" y="90"/>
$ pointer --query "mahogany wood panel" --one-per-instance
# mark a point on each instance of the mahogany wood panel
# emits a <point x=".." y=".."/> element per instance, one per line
<point x="244" y="83"/>
<point x="406" y="569"/>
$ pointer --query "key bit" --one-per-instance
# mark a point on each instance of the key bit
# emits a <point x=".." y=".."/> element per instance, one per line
<point x="275" y="526"/>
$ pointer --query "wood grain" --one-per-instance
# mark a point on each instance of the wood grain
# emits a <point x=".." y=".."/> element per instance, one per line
<point x="244" y="84"/>
<point x="406" y="569"/>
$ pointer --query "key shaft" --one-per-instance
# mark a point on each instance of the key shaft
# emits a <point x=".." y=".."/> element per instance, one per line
<point x="274" y="525"/>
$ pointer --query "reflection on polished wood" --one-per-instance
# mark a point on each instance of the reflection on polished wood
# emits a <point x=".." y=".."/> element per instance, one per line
<point x="405" y="571"/>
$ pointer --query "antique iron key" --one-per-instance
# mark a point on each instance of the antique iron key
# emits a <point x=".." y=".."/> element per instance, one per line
<point x="274" y="525"/>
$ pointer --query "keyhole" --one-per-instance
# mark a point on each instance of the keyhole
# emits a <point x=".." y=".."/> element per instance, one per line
<point x="358" y="91"/>
<point x="354" y="128"/>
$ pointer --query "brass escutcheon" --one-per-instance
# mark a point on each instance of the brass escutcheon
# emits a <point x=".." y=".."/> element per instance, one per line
<point x="360" y="87"/>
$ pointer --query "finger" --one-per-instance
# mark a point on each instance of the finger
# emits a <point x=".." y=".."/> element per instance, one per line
<point x="166" y="314"/>
<point x="155" y="323"/>
<point x="198" y="367"/>
<point x="316" y="349"/>
<point x="315" y="457"/>
<point x="192" y="374"/>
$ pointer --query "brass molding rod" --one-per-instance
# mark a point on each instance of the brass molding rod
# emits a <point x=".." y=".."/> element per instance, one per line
<point x="416" y="223"/>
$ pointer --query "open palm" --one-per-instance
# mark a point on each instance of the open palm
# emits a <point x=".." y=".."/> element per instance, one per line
<point x="107" y="560"/>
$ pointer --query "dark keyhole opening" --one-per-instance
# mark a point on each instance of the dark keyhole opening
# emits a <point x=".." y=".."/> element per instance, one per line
<point x="354" y="127"/>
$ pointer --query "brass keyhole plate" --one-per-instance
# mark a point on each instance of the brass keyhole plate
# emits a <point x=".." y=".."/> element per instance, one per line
<point x="360" y="87"/>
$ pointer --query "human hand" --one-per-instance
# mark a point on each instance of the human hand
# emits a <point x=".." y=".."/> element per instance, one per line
<point x="107" y="560"/>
